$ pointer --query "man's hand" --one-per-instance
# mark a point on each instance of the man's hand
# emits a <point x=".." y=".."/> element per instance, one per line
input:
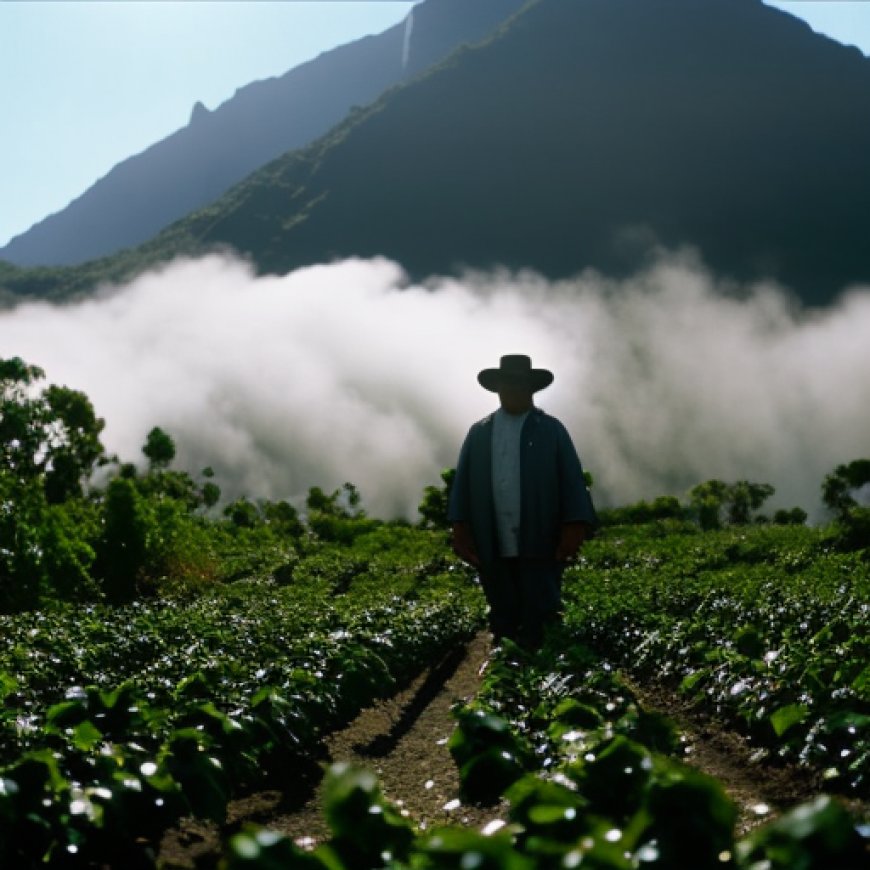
<point x="463" y="544"/>
<point x="570" y="540"/>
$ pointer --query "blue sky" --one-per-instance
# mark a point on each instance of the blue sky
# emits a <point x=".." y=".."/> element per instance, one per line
<point x="85" y="84"/>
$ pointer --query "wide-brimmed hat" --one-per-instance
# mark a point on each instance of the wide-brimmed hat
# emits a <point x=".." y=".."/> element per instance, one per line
<point x="515" y="367"/>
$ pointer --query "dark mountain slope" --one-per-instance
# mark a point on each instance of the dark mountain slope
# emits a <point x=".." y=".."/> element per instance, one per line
<point x="589" y="123"/>
<point x="196" y="164"/>
<point x="583" y="129"/>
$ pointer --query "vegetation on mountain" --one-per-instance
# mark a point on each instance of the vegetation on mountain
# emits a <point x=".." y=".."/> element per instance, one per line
<point x="579" y="135"/>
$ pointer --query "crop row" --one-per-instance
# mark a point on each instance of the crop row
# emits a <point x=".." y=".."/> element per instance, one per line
<point x="117" y="723"/>
<point x="238" y="636"/>
<point x="582" y="777"/>
<point x="765" y="627"/>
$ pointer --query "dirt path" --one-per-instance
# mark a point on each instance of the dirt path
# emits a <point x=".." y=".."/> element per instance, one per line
<point x="403" y="740"/>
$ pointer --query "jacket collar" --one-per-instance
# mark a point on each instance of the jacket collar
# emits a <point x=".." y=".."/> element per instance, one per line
<point x="535" y="413"/>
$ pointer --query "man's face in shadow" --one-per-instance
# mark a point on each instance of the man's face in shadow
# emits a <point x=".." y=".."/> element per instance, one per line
<point x="515" y="394"/>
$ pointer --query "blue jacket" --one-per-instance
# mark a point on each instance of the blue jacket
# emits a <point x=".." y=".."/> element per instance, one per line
<point x="552" y="488"/>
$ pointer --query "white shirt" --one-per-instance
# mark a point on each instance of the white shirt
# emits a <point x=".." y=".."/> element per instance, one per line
<point x="506" y="431"/>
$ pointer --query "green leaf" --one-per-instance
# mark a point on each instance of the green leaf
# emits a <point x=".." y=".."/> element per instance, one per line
<point x="816" y="834"/>
<point x="363" y="823"/>
<point x="692" y="819"/>
<point x="86" y="736"/>
<point x="454" y="847"/>
<point x="748" y="642"/>
<point x="488" y="774"/>
<point x="572" y="712"/>
<point x="787" y="717"/>
<point x="8" y="684"/>
<point x="194" y="686"/>
<point x="616" y="779"/>
<point x="66" y="714"/>
<point x="861" y="684"/>
<point x="200" y="775"/>
<point x="689" y="682"/>
<point x="266" y="850"/>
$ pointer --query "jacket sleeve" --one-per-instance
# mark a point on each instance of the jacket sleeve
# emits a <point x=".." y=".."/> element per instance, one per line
<point x="575" y="500"/>
<point x="459" y="505"/>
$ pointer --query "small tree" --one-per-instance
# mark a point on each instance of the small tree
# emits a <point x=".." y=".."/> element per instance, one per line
<point x="159" y="448"/>
<point x="123" y="550"/>
<point x="68" y="534"/>
<point x="745" y="497"/>
<point x="344" y="502"/>
<point x="243" y="513"/>
<point x="318" y="500"/>
<point x="433" y="508"/>
<point x="210" y="491"/>
<point x="839" y="489"/>
<point x="706" y="501"/>
<point x="353" y="499"/>
<point x="338" y="516"/>
<point x="840" y="486"/>
<point x="22" y="515"/>
<point x="283" y="518"/>
<point x="739" y="499"/>
<point x="795" y="517"/>
<point x="211" y="494"/>
<point x="51" y="435"/>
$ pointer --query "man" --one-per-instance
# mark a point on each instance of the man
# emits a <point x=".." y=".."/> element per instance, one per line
<point x="519" y="506"/>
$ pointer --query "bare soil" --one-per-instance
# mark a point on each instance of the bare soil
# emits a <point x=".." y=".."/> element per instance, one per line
<point x="403" y="740"/>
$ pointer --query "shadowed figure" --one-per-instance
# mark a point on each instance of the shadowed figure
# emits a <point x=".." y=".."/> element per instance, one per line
<point x="519" y="505"/>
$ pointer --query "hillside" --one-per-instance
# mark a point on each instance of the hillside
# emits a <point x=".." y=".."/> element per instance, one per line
<point x="578" y="136"/>
<point x="264" y="119"/>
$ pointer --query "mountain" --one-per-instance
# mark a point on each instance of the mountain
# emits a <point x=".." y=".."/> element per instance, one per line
<point x="578" y="135"/>
<point x="198" y="163"/>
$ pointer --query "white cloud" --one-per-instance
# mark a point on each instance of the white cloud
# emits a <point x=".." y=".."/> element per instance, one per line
<point x="345" y="372"/>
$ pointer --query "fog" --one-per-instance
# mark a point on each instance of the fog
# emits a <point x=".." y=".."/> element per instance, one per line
<point x="347" y="372"/>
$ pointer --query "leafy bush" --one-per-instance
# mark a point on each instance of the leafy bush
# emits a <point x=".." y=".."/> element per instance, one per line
<point x="50" y="436"/>
<point x="662" y="508"/>
<point x="739" y="500"/>
<point x="433" y="507"/>
<point x="838" y="492"/>
<point x="129" y="526"/>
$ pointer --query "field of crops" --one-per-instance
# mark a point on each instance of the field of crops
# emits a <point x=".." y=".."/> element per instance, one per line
<point x="118" y="722"/>
<point x="766" y="626"/>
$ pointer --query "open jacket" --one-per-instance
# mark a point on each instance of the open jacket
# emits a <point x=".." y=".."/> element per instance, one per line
<point x="552" y="488"/>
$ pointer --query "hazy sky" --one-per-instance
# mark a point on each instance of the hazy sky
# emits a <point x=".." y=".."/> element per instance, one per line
<point x="85" y="84"/>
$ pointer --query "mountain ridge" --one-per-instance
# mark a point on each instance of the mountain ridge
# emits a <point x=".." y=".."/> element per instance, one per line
<point x="218" y="148"/>
<point x="638" y="194"/>
<point x="579" y="136"/>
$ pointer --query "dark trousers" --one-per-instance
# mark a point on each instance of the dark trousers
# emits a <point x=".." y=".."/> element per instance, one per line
<point x="524" y="596"/>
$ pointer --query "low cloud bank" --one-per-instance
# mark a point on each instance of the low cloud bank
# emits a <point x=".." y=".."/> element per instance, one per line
<point x="346" y="372"/>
